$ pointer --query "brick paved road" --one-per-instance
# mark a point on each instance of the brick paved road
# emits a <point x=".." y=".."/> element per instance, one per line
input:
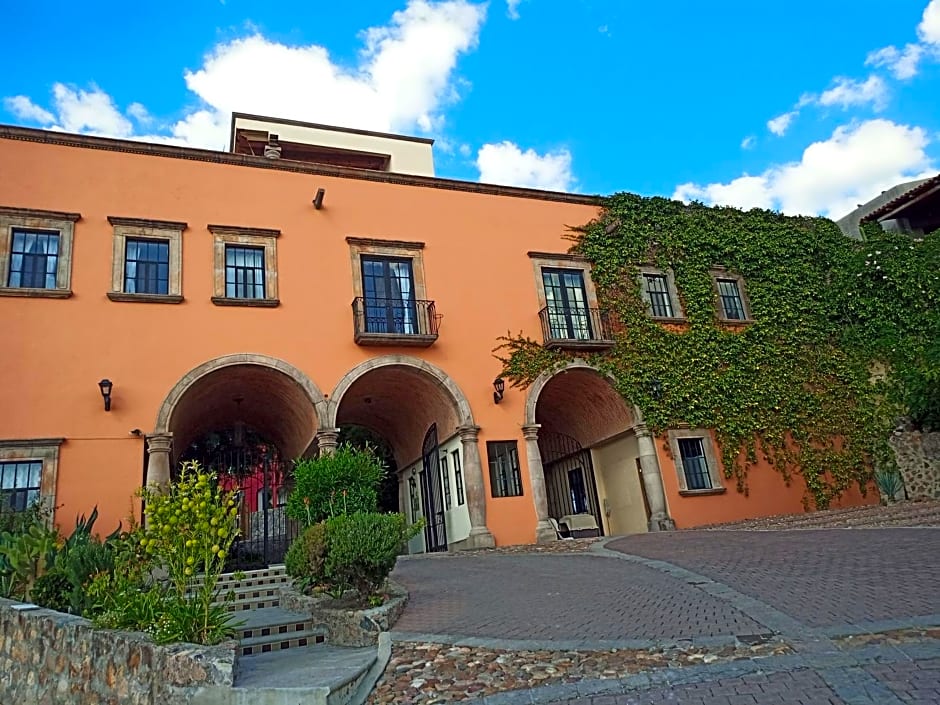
<point x="551" y="597"/>
<point x="819" y="577"/>
<point x="806" y="586"/>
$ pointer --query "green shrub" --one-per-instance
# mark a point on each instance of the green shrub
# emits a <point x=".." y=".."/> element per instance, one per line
<point x="889" y="483"/>
<point x="25" y="555"/>
<point x="363" y="548"/>
<point x="306" y="558"/>
<point x="343" y="482"/>
<point x="52" y="590"/>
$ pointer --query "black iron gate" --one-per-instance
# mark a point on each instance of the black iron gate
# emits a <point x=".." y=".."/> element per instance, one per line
<point x="261" y="482"/>
<point x="435" y="531"/>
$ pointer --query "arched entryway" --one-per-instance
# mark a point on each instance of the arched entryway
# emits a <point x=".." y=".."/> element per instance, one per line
<point x="598" y="463"/>
<point x="425" y="418"/>
<point x="247" y="417"/>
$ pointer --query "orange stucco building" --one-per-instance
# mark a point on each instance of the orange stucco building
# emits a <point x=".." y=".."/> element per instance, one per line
<point x="308" y="279"/>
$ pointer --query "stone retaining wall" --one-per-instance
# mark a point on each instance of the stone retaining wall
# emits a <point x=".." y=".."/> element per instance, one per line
<point x="49" y="658"/>
<point x="348" y="627"/>
<point x="918" y="458"/>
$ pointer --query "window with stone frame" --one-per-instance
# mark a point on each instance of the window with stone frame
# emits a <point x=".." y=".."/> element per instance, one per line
<point x="731" y="298"/>
<point x="658" y="289"/>
<point x="245" y="266"/>
<point x="146" y="260"/>
<point x="697" y="466"/>
<point x="28" y="472"/>
<point x="36" y="252"/>
<point x="505" y="477"/>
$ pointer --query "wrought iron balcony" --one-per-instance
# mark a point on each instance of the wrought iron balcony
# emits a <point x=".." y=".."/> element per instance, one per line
<point x="394" y="322"/>
<point x="576" y="328"/>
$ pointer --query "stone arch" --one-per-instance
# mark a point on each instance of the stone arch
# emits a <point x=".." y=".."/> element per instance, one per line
<point x="587" y="371"/>
<point x="292" y="383"/>
<point x="440" y="379"/>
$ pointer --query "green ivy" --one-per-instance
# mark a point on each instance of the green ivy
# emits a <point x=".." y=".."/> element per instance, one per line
<point x="795" y="386"/>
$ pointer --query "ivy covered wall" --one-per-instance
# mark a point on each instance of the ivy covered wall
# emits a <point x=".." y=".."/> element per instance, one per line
<point x="845" y="336"/>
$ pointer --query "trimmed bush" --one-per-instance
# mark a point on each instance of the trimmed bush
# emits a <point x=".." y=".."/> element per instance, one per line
<point x="363" y="548"/>
<point x="343" y="482"/>
<point x="306" y="558"/>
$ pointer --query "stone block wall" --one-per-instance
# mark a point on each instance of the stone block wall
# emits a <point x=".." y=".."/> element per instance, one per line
<point x="918" y="458"/>
<point x="49" y="658"/>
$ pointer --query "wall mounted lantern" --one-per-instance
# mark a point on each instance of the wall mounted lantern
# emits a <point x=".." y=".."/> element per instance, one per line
<point x="499" y="385"/>
<point x="318" y="199"/>
<point x="106" y="385"/>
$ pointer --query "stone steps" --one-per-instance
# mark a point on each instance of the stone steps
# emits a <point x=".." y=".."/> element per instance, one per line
<point x="274" y="629"/>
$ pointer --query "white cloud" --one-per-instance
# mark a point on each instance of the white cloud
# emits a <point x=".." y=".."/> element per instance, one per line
<point x="512" y="9"/>
<point x="402" y="81"/>
<point x="780" y="124"/>
<point x="139" y="113"/>
<point x="904" y="63"/>
<point x="25" y="109"/>
<point x="851" y="167"/>
<point x="929" y="28"/>
<point x="506" y="164"/>
<point x="465" y="150"/>
<point x="848" y="92"/>
<point x="748" y="142"/>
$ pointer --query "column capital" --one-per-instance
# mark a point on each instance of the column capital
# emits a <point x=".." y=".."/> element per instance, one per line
<point x="159" y="442"/>
<point x="641" y="429"/>
<point x="469" y="433"/>
<point x="327" y="439"/>
<point x="531" y="431"/>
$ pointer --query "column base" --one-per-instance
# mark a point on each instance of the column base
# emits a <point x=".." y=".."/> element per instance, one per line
<point x="545" y="533"/>
<point x="480" y="537"/>
<point x="661" y="523"/>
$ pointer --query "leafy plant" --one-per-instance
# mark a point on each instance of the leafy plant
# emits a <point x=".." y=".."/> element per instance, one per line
<point x="342" y="482"/>
<point x="190" y="529"/>
<point x="25" y="556"/>
<point x="306" y="558"/>
<point x="363" y="548"/>
<point x="52" y="590"/>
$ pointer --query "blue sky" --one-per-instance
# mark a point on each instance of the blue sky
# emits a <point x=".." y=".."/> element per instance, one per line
<point x="797" y="105"/>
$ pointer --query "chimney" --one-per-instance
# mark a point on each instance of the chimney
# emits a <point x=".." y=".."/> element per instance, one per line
<point x="272" y="150"/>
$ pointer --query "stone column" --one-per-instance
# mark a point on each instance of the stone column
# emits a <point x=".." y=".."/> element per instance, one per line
<point x="544" y="532"/>
<point x="653" y="481"/>
<point x="480" y="536"/>
<point x="327" y="440"/>
<point x="159" y="446"/>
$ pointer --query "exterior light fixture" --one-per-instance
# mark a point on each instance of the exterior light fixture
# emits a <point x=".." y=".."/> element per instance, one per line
<point x="106" y="385"/>
<point x="318" y="199"/>
<point x="656" y="389"/>
<point x="499" y="385"/>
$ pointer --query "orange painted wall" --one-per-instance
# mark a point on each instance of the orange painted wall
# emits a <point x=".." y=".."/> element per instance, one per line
<point x="476" y="269"/>
<point x="767" y="495"/>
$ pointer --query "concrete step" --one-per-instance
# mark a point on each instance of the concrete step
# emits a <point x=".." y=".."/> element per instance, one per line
<point x="247" y="603"/>
<point x="254" y="592"/>
<point x="281" y="642"/>
<point x="229" y="583"/>
<point x="314" y="675"/>
<point x="272" y="621"/>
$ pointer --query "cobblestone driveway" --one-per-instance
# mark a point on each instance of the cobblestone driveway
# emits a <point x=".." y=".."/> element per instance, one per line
<point x="815" y="590"/>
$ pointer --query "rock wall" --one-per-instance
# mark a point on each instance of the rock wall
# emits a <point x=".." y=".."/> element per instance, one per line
<point x="918" y="458"/>
<point x="49" y="658"/>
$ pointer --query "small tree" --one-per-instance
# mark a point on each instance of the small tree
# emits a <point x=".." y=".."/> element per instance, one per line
<point x="342" y="482"/>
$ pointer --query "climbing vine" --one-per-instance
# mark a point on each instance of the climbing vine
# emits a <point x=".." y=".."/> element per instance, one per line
<point x="844" y="337"/>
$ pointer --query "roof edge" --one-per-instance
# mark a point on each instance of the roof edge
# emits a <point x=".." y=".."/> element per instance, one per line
<point x="29" y="134"/>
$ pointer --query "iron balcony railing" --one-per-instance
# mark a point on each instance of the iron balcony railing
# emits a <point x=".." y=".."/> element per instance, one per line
<point x="394" y="322"/>
<point x="576" y="327"/>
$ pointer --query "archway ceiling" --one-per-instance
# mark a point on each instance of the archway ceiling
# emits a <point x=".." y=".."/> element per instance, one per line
<point x="584" y="405"/>
<point x="399" y="403"/>
<point x="272" y="403"/>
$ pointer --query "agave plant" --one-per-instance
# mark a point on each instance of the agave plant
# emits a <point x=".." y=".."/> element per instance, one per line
<point x="889" y="483"/>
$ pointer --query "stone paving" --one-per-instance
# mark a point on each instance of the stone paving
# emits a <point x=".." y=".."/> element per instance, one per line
<point x="698" y="618"/>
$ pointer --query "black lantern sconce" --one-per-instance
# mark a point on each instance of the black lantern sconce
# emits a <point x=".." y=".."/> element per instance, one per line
<point x="500" y="386"/>
<point x="318" y="198"/>
<point x="106" y="385"/>
<point x="656" y="389"/>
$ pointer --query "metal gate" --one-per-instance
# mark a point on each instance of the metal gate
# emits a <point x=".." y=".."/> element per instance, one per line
<point x="261" y="482"/>
<point x="435" y="531"/>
